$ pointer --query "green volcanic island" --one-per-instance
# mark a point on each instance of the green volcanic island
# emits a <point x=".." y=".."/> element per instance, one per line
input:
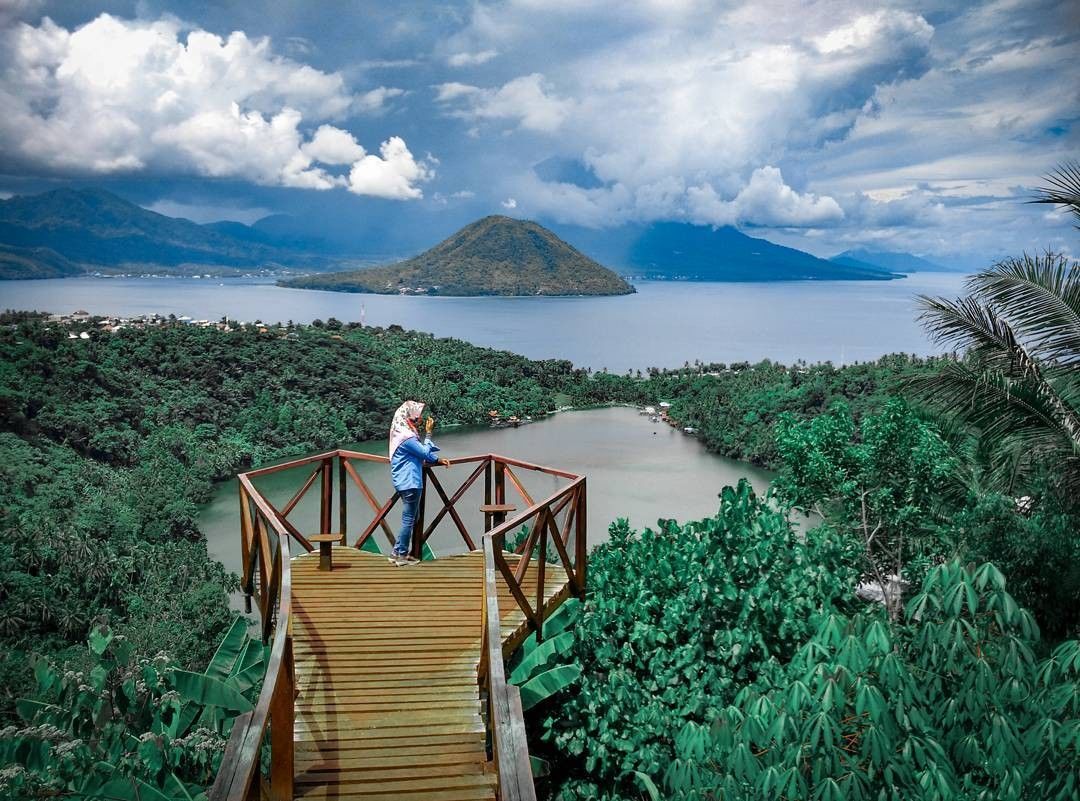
<point x="492" y="256"/>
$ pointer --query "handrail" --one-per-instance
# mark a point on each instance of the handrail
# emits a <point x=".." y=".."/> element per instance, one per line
<point x="236" y="780"/>
<point x="267" y="575"/>
<point x="510" y="750"/>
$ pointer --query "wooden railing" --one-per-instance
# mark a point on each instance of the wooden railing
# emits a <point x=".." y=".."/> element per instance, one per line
<point x="265" y="533"/>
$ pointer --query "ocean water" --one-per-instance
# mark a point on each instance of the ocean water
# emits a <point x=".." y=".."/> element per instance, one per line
<point x="665" y="324"/>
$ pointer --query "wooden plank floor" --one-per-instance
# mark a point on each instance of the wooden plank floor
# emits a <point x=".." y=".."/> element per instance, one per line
<point x="386" y="658"/>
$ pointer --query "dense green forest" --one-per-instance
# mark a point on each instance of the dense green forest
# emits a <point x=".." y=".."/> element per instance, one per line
<point x="704" y="657"/>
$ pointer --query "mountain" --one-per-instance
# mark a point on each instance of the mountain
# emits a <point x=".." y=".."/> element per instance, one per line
<point x="16" y="263"/>
<point x="493" y="256"/>
<point x="95" y="227"/>
<point x="702" y="253"/>
<point x="887" y="260"/>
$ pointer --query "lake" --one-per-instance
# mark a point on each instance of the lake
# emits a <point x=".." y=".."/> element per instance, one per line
<point x="665" y="324"/>
<point x="634" y="468"/>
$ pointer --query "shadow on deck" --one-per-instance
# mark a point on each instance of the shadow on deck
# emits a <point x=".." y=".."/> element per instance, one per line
<point x="386" y="681"/>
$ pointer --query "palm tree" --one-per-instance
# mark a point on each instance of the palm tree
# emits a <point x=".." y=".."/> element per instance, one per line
<point x="1018" y="385"/>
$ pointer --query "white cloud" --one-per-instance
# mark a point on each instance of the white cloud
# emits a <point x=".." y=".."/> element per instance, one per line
<point x="471" y="59"/>
<point x="681" y="120"/>
<point x="525" y="100"/>
<point x="765" y="200"/>
<point x="332" y="145"/>
<point x="374" y="101"/>
<point x="394" y="176"/>
<point x="509" y="203"/>
<point x="120" y="95"/>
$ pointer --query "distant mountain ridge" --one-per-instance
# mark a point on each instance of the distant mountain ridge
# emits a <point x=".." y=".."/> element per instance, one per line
<point x="672" y="250"/>
<point x="93" y="227"/>
<point x="495" y="255"/>
<point x="888" y="260"/>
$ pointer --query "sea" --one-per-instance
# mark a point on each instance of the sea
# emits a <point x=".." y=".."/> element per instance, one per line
<point x="665" y="324"/>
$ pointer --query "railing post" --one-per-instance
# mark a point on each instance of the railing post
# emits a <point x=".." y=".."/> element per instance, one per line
<point x="326" y="502"/>
<point x="541" y="567"/>
<point x="487" y="493"/>
<point x="580" y="545"/>
<point x="500" y="492"/>
<point x="282" y="721"/>
<point x="343" y="515"/>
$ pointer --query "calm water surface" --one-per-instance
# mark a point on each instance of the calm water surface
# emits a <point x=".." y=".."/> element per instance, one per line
<point x="635" y="469"/>
<point x="665" y="324"/>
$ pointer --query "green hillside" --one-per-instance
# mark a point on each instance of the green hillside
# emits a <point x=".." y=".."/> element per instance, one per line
<point x="492" y="256"/>
<point x="96" y="227"/>
<point x="18" y="262"/>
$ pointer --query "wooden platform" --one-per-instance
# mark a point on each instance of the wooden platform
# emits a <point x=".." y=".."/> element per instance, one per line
<point x="386" y="658"/>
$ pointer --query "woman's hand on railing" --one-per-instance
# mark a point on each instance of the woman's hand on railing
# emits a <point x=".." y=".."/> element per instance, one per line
<point x="444" y="462"/>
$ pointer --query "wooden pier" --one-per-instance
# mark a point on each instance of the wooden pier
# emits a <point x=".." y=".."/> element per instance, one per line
<point x="388" y="682"/>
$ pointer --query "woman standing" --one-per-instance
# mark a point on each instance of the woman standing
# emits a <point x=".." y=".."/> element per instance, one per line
<point x="408" y="455"/>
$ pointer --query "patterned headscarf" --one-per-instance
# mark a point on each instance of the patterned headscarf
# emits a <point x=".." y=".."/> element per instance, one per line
<point x="400" y="430"/>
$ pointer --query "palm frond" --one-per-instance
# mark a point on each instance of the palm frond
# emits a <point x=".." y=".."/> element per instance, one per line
<point x="966" y="325"/>
<point x="1040" y="297"/>
<point x="1062" y="188"/>
<point x="1019" y="418"/>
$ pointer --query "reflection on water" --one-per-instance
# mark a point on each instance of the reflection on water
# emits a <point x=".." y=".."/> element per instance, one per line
<point x="634" y="468"/>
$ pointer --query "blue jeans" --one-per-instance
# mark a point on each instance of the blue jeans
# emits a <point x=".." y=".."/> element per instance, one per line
<point x="410" y="502"/>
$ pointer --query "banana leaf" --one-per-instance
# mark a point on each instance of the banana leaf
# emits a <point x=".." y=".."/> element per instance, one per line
<point x="540" y="767"/>
<point x="426" y="554"/>
<point x="129" y="790"/>
<point x="252" y="655"/>
<point x="560" y="619"/>
<point x="203" y="690"/>
<point x="230" y="648"/>
<point x="649" y="785"/>
<point x="540" y="688"/>
<point x="246" y="679"/>
<point x="541" y="657"/>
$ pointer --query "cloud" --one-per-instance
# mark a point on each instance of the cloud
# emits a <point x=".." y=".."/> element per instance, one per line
<point x="471" y="59"/>
<point x="393" y="176"/>
<point x="122" y="96"/>
<point x="525" y="100"/>
<point x="765" y="200"/>
<point x="509" y="203"/>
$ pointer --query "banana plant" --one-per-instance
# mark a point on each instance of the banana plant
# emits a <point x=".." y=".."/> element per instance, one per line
<point x="130" y="730"/>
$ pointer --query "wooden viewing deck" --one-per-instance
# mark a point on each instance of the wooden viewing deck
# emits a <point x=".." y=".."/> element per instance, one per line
<point x="388" y="682"/>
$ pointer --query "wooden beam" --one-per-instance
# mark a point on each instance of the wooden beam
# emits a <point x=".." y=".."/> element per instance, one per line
<point x="450" y="504"/>
<point x="326" y="499"/>
<point x="379" y="518"/>
<point x="367" y="494"/>
<point x="518" y="486"/>
<point x="300" y="494"/>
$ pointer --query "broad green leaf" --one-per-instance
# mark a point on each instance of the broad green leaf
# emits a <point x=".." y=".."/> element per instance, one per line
<point x="203" y="690"/>
<point x="99" y="640"/>
<point x="541" y="656"/>
<point x="541" y="687"/>
<point x="230" y="647"/>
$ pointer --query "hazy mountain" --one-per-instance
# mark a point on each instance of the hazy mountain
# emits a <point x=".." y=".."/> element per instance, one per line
<point x="887" y="260"/>
<point x="703" y="253"/>
<point x="18" y="262"/>
<point x="97" y="228"/>
<point x="492" y="256"/>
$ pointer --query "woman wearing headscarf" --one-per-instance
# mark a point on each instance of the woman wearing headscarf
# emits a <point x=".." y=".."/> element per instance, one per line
<point x="408" y="455"/>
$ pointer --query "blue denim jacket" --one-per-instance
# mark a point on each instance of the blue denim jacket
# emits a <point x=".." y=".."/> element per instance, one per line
<point x="406" y="465"/>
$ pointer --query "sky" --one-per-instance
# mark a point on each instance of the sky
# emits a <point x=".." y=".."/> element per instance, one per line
<point x="827" y="125"/>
